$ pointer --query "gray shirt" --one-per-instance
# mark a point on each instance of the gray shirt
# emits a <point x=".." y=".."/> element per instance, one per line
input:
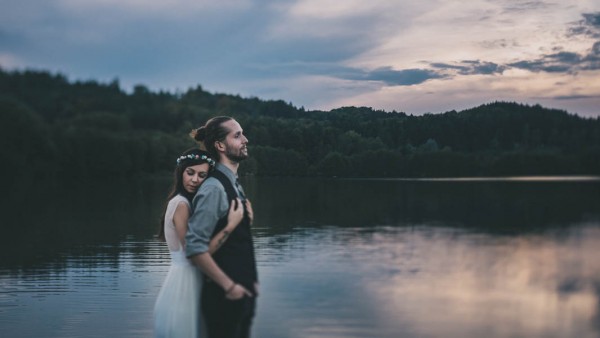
<point x="208" y="206"/>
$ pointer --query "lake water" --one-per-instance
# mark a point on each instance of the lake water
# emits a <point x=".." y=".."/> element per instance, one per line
<point x="337" y="258"/>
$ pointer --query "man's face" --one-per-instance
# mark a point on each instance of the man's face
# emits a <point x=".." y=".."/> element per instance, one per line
<point x="235" y="143"/>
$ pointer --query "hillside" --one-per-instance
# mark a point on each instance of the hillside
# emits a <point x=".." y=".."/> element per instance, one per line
<point x="56" y="128"/>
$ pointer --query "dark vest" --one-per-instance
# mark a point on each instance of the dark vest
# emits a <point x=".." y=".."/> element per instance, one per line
<point x="236" y="256"/>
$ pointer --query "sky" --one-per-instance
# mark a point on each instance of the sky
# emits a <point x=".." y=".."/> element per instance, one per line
<point x="427" y="56"/>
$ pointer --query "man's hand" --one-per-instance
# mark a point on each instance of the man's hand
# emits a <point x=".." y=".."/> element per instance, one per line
<point x="237" y="292"/>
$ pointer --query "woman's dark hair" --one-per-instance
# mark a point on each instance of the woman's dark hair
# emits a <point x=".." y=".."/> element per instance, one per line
<point x="211" y="132"/>
<point x="190" y="157"/>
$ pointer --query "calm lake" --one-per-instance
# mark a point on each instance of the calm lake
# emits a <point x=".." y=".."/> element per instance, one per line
<point x="337" y="258"/>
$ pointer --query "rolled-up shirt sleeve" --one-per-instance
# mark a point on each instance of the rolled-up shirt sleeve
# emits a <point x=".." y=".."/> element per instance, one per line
<point x="209" y="205"/>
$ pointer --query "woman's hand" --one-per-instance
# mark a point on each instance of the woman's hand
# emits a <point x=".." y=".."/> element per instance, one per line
<point x="250" y="211"/>
<point x="236" y="214"/>
<point x="234" y="217"/>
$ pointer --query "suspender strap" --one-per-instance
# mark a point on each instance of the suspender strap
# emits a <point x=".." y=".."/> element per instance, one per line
<point x="229" y="189"/>
<point x="231" y="196"/>
<point x="236" y="256"/>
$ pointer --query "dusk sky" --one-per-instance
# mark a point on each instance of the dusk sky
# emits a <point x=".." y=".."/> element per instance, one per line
<point x="426" y="56"/>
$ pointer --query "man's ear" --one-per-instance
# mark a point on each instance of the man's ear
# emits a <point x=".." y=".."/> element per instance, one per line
<point x="219" y="146"/>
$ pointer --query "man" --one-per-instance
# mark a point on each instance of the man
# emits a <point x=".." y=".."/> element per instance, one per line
<point x="230" y="286"/>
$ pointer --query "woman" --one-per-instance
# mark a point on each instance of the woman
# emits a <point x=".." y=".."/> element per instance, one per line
<point x="176" y="312"/>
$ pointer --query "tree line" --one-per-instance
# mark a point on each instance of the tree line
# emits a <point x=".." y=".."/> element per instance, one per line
<point x="55" y="128"/>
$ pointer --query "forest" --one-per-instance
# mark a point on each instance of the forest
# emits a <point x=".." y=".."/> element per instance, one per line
<point x="53" y="128"/>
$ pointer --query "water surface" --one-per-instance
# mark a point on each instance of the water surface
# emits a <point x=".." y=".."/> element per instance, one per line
<point x="337" y="258"/>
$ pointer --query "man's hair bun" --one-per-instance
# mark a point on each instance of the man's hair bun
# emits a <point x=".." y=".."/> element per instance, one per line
<point x="198" y="134"/>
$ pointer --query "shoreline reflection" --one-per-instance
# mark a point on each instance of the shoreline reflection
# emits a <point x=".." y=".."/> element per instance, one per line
<point x="437" y="282"/>
<point x="337" y="258"/>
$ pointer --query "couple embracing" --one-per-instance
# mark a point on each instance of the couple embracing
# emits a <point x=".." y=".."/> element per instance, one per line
<point x="207" y="225"/>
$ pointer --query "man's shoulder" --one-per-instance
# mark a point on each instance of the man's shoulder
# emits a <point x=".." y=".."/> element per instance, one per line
<point x="211" y="191"/>
<point x="211" y="183"/>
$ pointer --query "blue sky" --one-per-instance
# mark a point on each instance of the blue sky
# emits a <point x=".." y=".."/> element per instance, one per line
<point x="417" y="57"/>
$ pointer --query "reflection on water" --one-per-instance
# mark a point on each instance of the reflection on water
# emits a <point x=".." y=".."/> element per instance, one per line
<point x="96" y="295"/>
<point x="434" y="282"/>
<point x="337" y="258"/>
<point x="491" y="206"/>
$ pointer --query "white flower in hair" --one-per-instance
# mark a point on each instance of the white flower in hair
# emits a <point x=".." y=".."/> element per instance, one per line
<point x="210" y="161"/>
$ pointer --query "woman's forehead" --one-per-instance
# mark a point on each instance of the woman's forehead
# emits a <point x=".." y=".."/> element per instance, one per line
<point x="198" y="167"/>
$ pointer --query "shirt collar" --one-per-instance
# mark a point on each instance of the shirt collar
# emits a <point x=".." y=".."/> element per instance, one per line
<point x="230" y="175"/>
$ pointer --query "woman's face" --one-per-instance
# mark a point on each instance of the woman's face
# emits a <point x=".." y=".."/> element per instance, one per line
<point x="193" y="176"/>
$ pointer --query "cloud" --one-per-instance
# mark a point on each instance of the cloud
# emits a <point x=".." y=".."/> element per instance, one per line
<point x="471" y="67"/>
<point x="576" y="97"/>
<point x="166" y="9"/>
<point x="592" y="19"/>
<point x="557" y="62"/>
<point x="552" y="63"/>
<point x="514" y="6"/>
<point x="570" y="62"/>
<point x="589" y="26"/>
<point x="562" y="62"/>
<point x="389" y="76"/>
<point x="314" y="52"/>
<point x="385" y="75"/>
<point x="405" y="77"/>
<point x="414" y="76"/>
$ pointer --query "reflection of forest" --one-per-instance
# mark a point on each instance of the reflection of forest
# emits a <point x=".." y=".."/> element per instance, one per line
<point x="509" y="207"/>
<point x="92" y="130"/>
<point x="50" y="221"/>
<point x="524" y="244"/>
<point x="54" y="218"/>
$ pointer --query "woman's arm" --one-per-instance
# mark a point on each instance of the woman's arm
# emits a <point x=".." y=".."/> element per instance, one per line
<point x="235" y="216"/>
<point x="180" y="219"/>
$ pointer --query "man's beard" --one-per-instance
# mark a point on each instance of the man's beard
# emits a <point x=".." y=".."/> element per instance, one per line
<point x="236" y="158"/>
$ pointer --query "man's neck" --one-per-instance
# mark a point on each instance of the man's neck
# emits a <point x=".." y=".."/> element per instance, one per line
<point x="233" y="166"/>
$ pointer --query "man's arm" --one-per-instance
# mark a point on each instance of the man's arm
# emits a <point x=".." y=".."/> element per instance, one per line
<point x="209" y="205"/>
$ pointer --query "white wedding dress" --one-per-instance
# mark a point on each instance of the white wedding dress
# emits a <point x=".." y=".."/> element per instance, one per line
<point x="177" y="308"/>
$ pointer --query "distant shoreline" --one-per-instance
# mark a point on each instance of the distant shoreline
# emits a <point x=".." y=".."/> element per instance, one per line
<point x="567" y="178"/>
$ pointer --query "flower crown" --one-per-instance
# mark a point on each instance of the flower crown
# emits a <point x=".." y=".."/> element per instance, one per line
<point x="210" y="161"/>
